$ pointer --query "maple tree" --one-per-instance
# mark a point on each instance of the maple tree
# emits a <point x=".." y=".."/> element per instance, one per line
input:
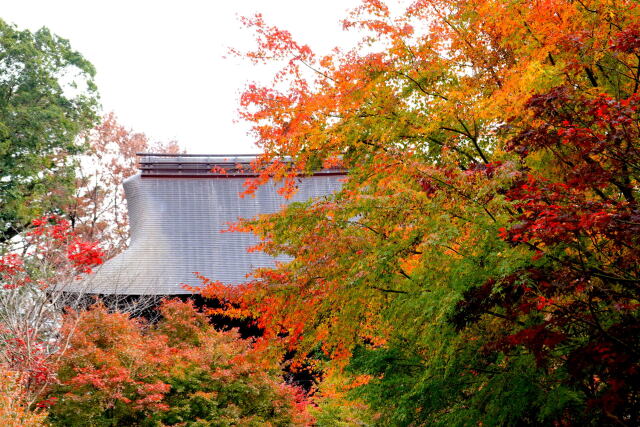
<point x="123" y="371"/>
<point x="480" y="263"/>
<point x="32" y="295"/>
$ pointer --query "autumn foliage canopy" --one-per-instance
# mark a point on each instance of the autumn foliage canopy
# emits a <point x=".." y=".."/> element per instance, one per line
<point x="480" y="264"/>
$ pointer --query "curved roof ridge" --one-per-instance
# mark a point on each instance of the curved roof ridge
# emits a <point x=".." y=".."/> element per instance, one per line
<point x="162" y="165"/>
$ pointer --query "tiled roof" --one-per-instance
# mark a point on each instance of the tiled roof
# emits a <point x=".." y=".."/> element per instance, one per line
<point x="177" y="220"/>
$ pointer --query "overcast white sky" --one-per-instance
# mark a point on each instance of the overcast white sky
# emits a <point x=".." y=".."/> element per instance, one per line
<point x="160" y="63"/>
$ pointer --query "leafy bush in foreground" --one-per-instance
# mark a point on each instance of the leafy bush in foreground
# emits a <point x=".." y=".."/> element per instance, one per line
<point x="180" y="371"/>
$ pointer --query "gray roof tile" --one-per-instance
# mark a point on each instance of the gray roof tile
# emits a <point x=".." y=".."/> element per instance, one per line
<point x="176" y="225"/>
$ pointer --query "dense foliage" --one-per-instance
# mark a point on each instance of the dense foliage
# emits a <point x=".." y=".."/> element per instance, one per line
<point x="14" y="410"/>
<point x="47" y="98"/>
<point x="480" y="264"/>
<point x="178" y="371"/>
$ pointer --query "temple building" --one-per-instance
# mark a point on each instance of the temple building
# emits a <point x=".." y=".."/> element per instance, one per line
<point x="179" y="206"/>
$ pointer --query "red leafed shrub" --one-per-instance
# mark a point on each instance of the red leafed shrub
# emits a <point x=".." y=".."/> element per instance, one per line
<point x="628" y="40"/>
<point x="576" y="308"/>
<point x="32" y="287"/>
<point x="123" y="371"/>
<point x="83" y="255"/>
